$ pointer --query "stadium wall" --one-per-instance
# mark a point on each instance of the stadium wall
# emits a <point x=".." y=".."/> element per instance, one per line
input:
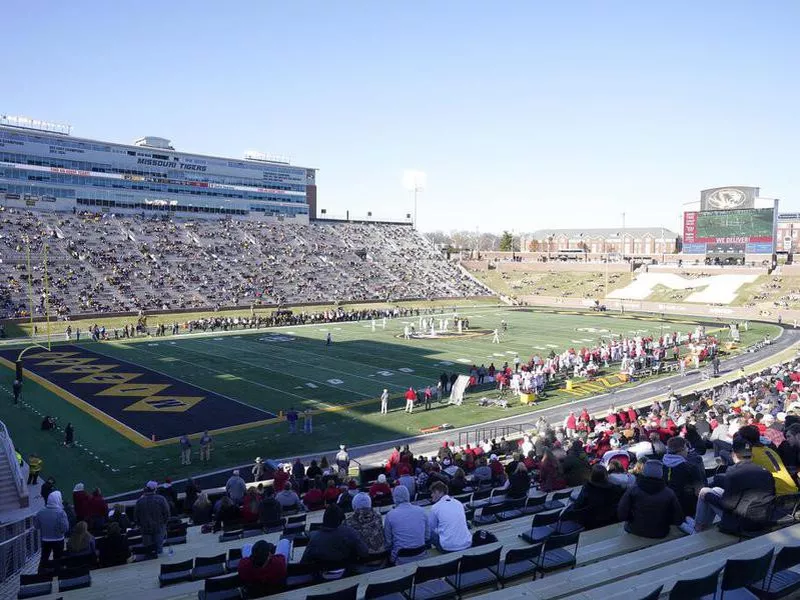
<point x="534" y="266"/>
<point x="212" y="310"/>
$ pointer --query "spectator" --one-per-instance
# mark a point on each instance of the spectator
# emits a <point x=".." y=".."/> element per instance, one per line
<point x="120" y="517"/>
<point x="575" y="465"/>
<point x="482" y="473"/>
<point x="48" y="486"/>
<point x="331" y="494"/>
<point x="166" y="490"/>
<point x="80" y="501"/>
<point x="447" y="522"/>
<point x="288" y="498"/>
<point x="367" y="523"/>
<point x="789" y="449"/>
<point x="192" y="491"/>
<point x="496" y="467"/>
<point x="409" y="482"/>
<point x="343" y="461"/>
<point x="770" y="460"/>
<point x="519" y="482"/>
<point x="334" y="544"/>
<point x="650" y="507"/>
<point x="684" y="474"/>
<point x="81" y="542"/>
<point x="458" y="482"/>
<point x="405" y="526"/>
<point x="97" y="510"/>
<point x="236" y="487"/>
<point x="250" y="506"/>
<point x="617" y="475"/>
<point x="596" y="504"/>
<point x="742" y="497"/>
<point x="151" y="514"/>
<point x="299" y="470"/>
<point x="270" y="510"/>
<point x="263" y="569"/>
<point x="314" y="499"/>
<point x="113" y="548"/>
<point x="313" y="470"/>
<point x="202" y="510"/>
<point x="550" y="477"/>
<point x="228" y="513"/>
<point x="380" y="489"/>
<point x="53" y="525"/>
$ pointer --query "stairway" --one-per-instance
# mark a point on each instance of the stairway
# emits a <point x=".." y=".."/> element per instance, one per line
<point x="9" y="496"/>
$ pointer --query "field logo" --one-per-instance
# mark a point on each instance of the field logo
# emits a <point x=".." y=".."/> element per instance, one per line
<point x="717" y="289"/>
<point x="275" y="338"/>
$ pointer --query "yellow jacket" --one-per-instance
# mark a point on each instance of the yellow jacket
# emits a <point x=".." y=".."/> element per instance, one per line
<point x="769" y="459"/>
<point x="35" y="463"/>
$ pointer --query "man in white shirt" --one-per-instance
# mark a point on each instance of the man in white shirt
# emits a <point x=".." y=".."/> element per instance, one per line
<point x="385" y="402"/>
<point x="447" y="522"/>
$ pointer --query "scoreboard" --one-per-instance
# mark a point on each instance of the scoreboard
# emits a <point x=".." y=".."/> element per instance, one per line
<point x="750" y="231"/>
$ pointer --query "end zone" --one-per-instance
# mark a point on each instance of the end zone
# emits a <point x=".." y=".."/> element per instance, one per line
<point x="134" y="401"/>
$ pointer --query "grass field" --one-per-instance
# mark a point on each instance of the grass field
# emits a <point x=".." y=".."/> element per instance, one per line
<point x="556" y="283"/>
<point x="271" y="370"/>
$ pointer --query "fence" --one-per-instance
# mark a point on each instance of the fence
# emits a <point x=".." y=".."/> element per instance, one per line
<point x="492" y="432"/>
<point x="20" y="543"/>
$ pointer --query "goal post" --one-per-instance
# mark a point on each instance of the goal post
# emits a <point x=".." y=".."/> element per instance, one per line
<point x="35" y="338"/>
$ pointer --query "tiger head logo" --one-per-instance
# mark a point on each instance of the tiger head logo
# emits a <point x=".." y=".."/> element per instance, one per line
<point x="726" y="198"/>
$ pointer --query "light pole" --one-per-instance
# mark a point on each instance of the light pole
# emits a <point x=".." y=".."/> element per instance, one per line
<point x="414" y="181"/>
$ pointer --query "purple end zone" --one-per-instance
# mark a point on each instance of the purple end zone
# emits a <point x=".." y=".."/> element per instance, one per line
<point x="147" y="402"/>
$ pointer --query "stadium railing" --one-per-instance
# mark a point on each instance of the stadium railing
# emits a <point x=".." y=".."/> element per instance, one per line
<point x="20" y="541"/>
<point x="16" y="471"/>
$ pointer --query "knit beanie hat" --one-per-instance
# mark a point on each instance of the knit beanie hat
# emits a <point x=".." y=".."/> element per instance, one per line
<point x="654" y="469"/>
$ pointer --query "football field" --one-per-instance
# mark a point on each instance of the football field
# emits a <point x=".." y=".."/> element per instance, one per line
<point x="130" y="401"/>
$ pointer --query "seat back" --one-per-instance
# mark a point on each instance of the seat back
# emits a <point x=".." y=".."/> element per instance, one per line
<point x="690" y="589"/>
<point x="407" y="552"/>
<point x="72" y="579"/>
<point x="561" y="495"/>
<point x="221" y="584"/>
<point x="564" y="540"/>
<point x="348" y="593"/>
<point x="234" y="553"/>
<point x="654" y="594"/>
<point x="534" y="501"/>
<point x="547" y="518"/>
<point x="296" y="519"/>
<point x="739" y="573"/>
<point x="477" y="562"/>
<point x="203" y="561"/>
<point x="516" y="555"/>
<point x="787" y="557"/>
<point x="36" y="584"/>
<point x="439" y="571"/>
<point x="401" y="585"/>
<point x="167" y="568"/>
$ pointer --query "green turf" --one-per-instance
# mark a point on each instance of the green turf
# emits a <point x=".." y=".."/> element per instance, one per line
<point x="276" y="375"/>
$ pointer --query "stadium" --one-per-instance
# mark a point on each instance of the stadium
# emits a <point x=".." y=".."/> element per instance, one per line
<point x="205" y="346"/>
<point x="567" y="369"/>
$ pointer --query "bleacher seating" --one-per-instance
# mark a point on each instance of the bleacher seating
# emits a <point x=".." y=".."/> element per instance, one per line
<point x="114" y="263"/>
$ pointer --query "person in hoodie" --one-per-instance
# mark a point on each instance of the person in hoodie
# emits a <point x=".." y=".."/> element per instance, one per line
<point x="367" y="523"/>
<point x="789" y="448"/>
<point x="596" y="505"/>
<point x="684" y="473"/>
<point x="650" y="507"/>
<point x="53" y="525"/>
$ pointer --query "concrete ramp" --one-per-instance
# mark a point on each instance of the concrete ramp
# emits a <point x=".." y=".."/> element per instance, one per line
<point x="718" y="289"/>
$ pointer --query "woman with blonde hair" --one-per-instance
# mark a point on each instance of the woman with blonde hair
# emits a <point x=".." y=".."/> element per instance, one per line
<point x="80" y="541"/>
<point x="201" y="510"/>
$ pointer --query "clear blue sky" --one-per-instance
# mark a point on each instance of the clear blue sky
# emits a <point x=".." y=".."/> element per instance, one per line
<point x="523" y="114"/>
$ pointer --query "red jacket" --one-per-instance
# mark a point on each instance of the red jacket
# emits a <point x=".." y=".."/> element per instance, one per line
<point x="313" y="498"/>
<point x="97" y="508"/>
<point x="279" y="480"/>
<point x="273" y="572"/>
<point x="80" y="501"/>
<point x="378" y="489"/>
<point x="331" y="494"/>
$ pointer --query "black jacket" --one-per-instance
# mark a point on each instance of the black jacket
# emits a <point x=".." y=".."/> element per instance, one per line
<point x="685" y="477"/>
<point x="113" y="550"/>
<point x="270" y="511"/>
<point x="649" y="508"/>
<point x="519" y="485"/>
<point x="747" y="499"/>
<point x="596" y="505"/>
<point x="341" y="545"/>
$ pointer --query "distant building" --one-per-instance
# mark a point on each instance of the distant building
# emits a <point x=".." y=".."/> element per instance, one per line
<point x="788" y="232"/>
<point x="632" y="241"/>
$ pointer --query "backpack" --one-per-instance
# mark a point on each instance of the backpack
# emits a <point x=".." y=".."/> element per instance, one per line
<point x="483" y="537"/>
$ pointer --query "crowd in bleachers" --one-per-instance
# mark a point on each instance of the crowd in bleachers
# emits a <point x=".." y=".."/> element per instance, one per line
<point x="102" y="263"/>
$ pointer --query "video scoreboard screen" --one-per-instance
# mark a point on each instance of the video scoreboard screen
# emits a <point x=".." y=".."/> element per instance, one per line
<point x="710" y="231"/>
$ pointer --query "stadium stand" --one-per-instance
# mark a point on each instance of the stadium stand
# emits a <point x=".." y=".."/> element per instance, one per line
<point x="108" y="263"/>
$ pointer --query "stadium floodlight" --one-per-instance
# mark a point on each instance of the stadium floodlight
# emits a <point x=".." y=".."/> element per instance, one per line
<point x="415" y="181"/>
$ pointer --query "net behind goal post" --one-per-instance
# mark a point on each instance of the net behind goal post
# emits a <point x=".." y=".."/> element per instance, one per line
<point x="38" y="278"/>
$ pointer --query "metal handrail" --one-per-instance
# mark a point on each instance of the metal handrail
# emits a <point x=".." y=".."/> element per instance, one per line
<point x="15" y="552"/>
<point x="11" y="455"/>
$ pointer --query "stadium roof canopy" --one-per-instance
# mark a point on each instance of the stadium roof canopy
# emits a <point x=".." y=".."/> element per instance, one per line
<point x="605" y="232"/>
